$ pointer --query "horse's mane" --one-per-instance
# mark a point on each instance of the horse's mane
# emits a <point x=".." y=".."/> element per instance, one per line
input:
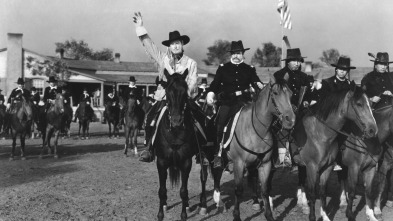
<point x="330" y="103"/>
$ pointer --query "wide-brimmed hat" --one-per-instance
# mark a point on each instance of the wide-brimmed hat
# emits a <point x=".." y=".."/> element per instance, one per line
<point x="51" y="79"/>
<point x="343" y="63"/>
<point x="294" y="54"/>
<point x="204" y="81"/>
<point x="175" y="35"/>
<point x="382" y="57"/>
<point x="237" y="46"/>
<point x="132" y="78"/>
<point x="20" y="81"/>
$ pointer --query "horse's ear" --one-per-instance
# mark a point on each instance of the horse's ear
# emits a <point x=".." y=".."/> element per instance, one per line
<point x="166" y="73"/>
<point x="185" y="73"/>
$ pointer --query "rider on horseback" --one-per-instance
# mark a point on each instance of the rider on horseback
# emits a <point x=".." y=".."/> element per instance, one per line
<point x="50" y="93"/>
<point x="174" y="61"/>
<point x="111" y="99"/>
<point x="85" y="97"/>
<point x="231" y="85"/>
<point x="132" y="89"/>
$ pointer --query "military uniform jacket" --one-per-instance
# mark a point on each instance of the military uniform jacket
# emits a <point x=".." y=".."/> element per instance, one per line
<point x="36" y="98"/>
<point x="296" y="80"/>
<point x="375" y="83"/>
<point x="113" y="99"/>
<point x="84" y="98"/>
<point x="329" y="85"/>
<point x="50" y="93"/>
<point x="131" y="91"/>
<point x="16" y="94"/>
<point x="231" y="78"/>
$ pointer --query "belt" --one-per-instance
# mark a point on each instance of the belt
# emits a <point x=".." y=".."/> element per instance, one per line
<point x="238" y="93"/>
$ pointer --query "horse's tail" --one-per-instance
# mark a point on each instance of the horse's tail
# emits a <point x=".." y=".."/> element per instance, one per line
<point x="174" y="171"/>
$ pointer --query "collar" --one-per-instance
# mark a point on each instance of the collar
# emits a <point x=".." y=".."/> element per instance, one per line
<point x="236" y="63"/>
<point x="55" y="87"/>
<point x="111" y="96"/>
<point x="345" y="79"/>
<point x="18" y="89"/>
<point x="132" y="86"/>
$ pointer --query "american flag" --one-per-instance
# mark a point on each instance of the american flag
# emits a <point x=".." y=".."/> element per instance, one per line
<point x="285" y="14"/>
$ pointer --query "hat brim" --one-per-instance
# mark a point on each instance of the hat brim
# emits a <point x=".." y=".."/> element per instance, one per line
<point x="388" y="62"/>
<point x="183" y="38"/>
<point x="243" y="50"/>
<point x="298" y="58"/>
<point x="341" y="67"/>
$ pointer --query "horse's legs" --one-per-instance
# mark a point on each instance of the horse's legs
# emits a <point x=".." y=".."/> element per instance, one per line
<point x="380" y="179"/>
<point x="134" y="141"/>
<point x="352" y="180"/>
<point x="202" y="197"/>
<point x="238" y="169"/>
<point x="79" y="131"/>
<point x="217" y="174"/>
<point x="263" y="174"/>
<point x="185" y="173"/>
<point x="127" y="136"/>
<point x="253" y="183"/>
<point x="301" y="194"/>
<point x="368" y="177"/>
<point x="110" y="129"/>
<point x="87" y="129"/>
<point x="389" y="202"/>
<point x="55" y="143"/>
<point x="13" y="144"/>
<point x="49" y="137"/>
<point x="342" y="180"/>
<point x="162" y="167"/>
<point x="22" y="145"/>
<point x="311" y="188"/>
<point x="322" y="191"/>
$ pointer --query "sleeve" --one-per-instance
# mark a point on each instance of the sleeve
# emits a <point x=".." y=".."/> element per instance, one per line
<point x="366" y="85"/>
<point x="215" y="85"/>
<point x="308" y="80"/>
<point x="46" y="95"/>
<point x="254" y="78"/>
<point x="150" y="48"/>
<point x="11" y="96"/>
<point x="192" y="80"/>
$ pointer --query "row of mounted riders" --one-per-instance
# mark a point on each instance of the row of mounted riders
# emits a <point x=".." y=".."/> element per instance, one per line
<point x="342" y="127"/>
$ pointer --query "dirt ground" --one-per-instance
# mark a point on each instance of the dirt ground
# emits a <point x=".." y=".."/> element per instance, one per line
<point x="93" y="180"/>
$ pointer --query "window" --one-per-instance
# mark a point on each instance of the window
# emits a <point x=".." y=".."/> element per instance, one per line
<point x="39" y="85"/>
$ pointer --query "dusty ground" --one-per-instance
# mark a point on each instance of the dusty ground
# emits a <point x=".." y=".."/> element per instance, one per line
<point x="93" y="180"/>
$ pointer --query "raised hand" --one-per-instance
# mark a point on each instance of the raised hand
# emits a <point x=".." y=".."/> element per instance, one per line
<point x="138" y="19"/>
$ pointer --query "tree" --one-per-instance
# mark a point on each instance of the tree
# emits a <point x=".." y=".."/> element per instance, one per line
<point x="330" y="56"/>
<point x="80" y="50"/>
<point x="218" y="53"/>
<point x="56" y="68"/>
<point x="268" y="56"/>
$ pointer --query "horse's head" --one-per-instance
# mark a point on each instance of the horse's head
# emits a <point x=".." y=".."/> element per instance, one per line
<point x="280" y="104"/>
<point x="176" y="94"/>
<point x="358" y="110"/>
<point x="59" y="103"/>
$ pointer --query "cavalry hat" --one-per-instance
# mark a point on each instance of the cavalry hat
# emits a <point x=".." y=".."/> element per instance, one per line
<point x="382" y="57"/>
<point x="132" y="78"/>
<point x="237" y="46"/>
<point x="20" y="81"/>
<point x="294" y="54"/>
<point x="204" y="81"/>
<point x="343" y="63"/>
<point x="175" y="35"/>
<point x="51" y="79"/>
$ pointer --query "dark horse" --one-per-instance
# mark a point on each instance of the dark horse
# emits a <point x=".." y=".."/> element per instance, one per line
<point x="84" y="118"/>
<point x="112" y="112"/>
<point x="384" y="118"/>
<point x="67" y="119"/>
<point x="20" y="124"/>
<point x="53" y="124"/>
<point x="252" y="143"/>
<point x="175" y="142"/>
<point x="2" y="119"/>
<point x="318" y="144"/>
<point x="133" y="118"/>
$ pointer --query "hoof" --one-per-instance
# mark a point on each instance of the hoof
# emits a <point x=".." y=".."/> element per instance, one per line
<point x="389" y="203"/>
<point x="82" y="138"/>
<point x="379" y="217"/>
<point x="87" y="138"/>
<point x="306" y="210"/>
<point x="23" y="158"/>
<point x="203" y="212"/>
<point x="256" y="207"/>
<point x="56" y="156"/>
<point x="11" y="159"/>
<point x="165" y="208"/>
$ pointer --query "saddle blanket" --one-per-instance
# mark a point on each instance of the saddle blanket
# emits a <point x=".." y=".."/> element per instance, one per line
<point x="229" y="129"/>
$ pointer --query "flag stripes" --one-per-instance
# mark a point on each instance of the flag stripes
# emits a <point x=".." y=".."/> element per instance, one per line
<point x="285" y="14"/>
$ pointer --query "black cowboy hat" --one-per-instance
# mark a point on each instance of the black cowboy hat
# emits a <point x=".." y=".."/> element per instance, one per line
<point x="51" y="79"/>
<point x="132" y="78"/>
<point x="343" y="63"/>
<point x="204" y="81"/>
<point x="175" y="35"/>
<point x="237" y="46"/>
<point x="382" y="57"/>
<point x="294" y="54"/>
<point x="20" y="81"/>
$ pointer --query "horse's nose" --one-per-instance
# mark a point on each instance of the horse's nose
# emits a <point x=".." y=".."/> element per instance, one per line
<point x="372" y="132"/>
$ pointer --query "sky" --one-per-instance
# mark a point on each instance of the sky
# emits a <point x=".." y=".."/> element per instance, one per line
<point x="354" y="27"/>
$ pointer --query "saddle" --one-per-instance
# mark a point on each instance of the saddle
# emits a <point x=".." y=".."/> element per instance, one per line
<point x="229" y="129"/>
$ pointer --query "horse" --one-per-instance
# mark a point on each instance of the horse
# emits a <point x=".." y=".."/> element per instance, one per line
<point x="20" y="124"/>
<point x="384" y="118"/>
<point x="175" y="142"/>
<point x="112" y="112"/>
<point x="53" y="124"/>
<point x="133" y="117"/>
<point x="318" y="145"/>
<point x="84" y="118"/>
<point x="252" y="143"/>
<point x="67" y="119"/>
<point x="2" y="119"/>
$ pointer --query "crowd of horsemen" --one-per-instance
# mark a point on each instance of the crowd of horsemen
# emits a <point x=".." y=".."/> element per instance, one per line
<point x="233" y="86"/>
